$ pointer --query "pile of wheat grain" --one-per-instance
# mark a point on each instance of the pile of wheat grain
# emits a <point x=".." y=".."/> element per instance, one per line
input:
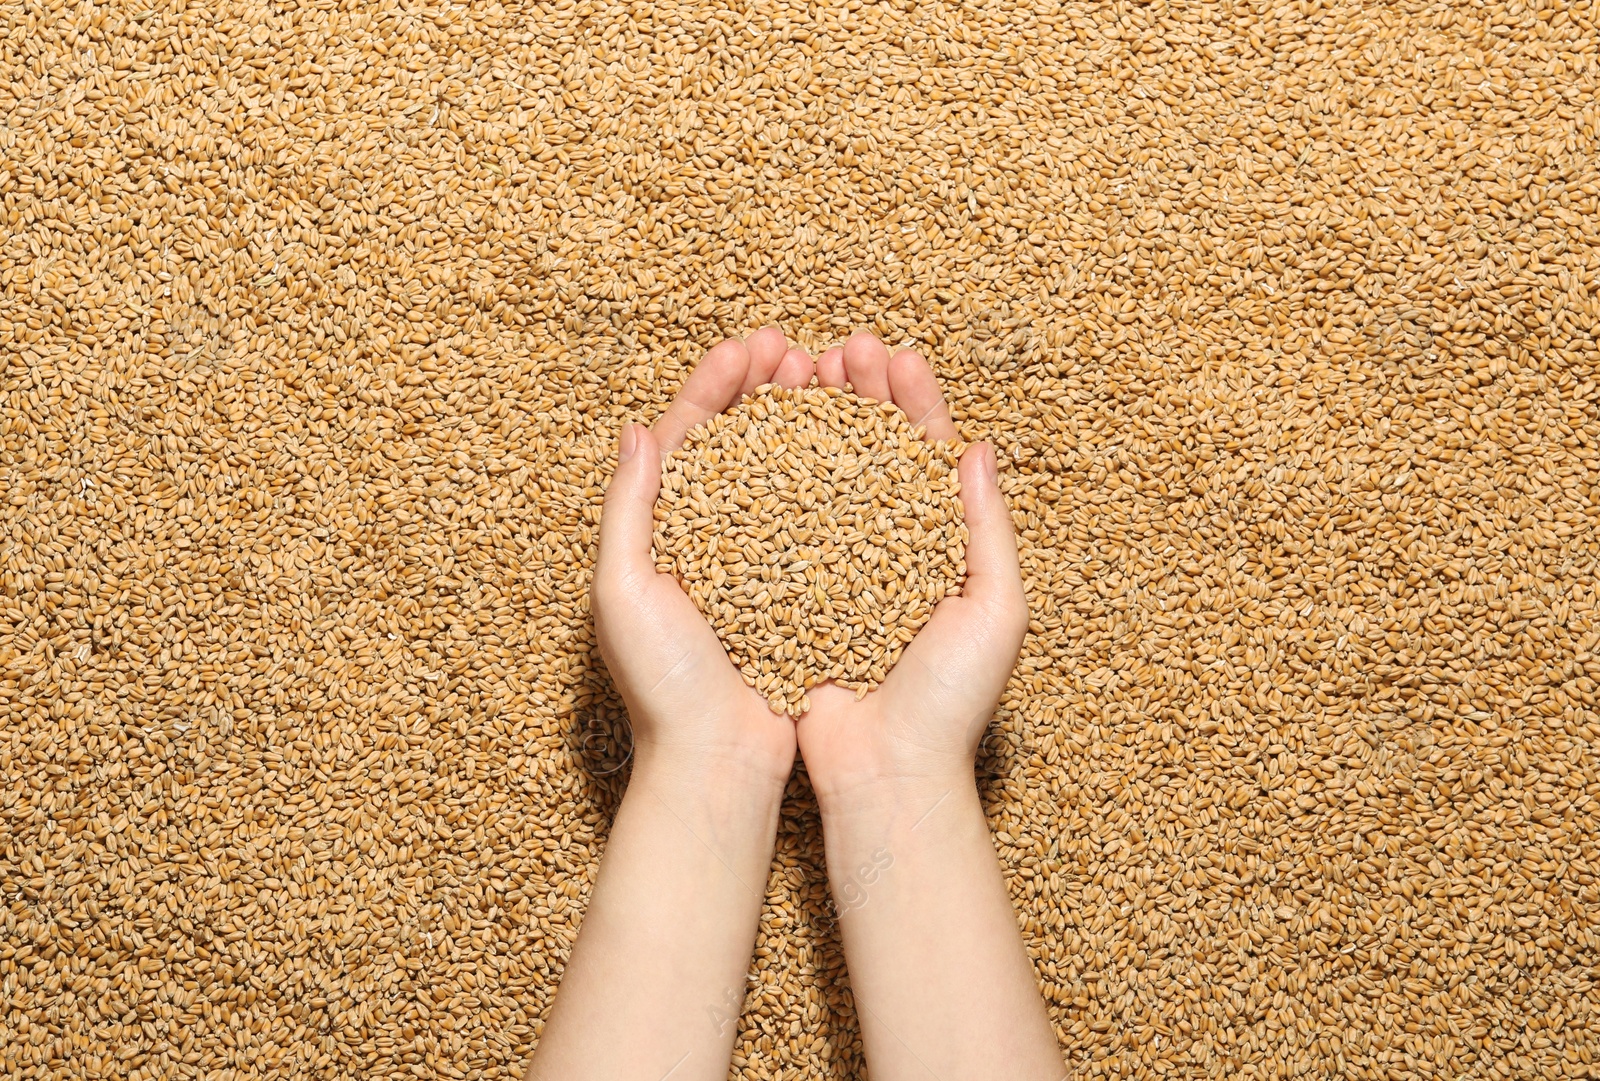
<point x="318" y="325"/>
<point x="815" y="530"/>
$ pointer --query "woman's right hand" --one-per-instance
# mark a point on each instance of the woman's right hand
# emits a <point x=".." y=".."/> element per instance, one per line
<point x="919" y="730"/>
<point x="937" y="969"/>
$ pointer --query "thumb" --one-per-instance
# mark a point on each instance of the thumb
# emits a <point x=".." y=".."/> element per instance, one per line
<point x="993" y="576"/>
<point x="627" y="518"/>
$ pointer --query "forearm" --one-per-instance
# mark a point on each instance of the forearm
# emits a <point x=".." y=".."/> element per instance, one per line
<point x="656" y="977"/>
<point x="937" y="966"/>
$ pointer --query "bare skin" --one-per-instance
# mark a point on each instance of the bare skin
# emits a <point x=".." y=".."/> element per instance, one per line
<point x="657" y="974"/>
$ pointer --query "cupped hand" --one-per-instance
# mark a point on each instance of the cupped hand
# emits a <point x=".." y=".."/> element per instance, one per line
<point x="924" y="722"/>
<point x="686" y="701"/>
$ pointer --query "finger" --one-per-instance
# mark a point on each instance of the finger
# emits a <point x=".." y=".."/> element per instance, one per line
<point x="993" y="575"/>
<point x="711" y="387"/>
<point x="916" y="391"/>
<point x="830" y="368"/>
<point x="866" y="365"/>
<point x="627" y="517"/>
<point x="766" y="348"/>
<point x="795" y="370"/>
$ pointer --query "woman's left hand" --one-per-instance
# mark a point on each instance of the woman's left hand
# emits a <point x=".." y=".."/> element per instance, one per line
<point x="687" y="703"/>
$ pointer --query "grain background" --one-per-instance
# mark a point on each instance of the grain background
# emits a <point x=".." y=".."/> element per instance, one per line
<point x="318" y="323"/>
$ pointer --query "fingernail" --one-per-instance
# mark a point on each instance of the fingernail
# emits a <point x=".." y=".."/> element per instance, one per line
<point x="989" y="467"/>
<point x="627" y="444"/>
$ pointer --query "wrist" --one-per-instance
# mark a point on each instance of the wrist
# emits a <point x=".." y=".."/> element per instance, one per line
<point x="870" y="761"/>
<point x="895" y="803"/>
<point x="883" y="774"/>
<point x="729" y="813"/>
<point x="905" y="823"/>
<point x="733" y="769"/>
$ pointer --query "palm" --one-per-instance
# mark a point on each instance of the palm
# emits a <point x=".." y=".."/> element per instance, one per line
<point x="666" y="648"/>
<point x="933" y="707"/>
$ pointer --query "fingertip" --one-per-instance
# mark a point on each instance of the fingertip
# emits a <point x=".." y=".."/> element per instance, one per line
<point x="979" y="474"/>
<point x="915" y="390"/>
<point x="627" y="516"/>
<point x="725" y="365"/>
<point x="766" y="349"/>
<point x="979" y="466"/>
<point x="645" y="444"/>
<point x="866" y="365"/>
<point x="795" y="370"/>
<point x="830" y="368"/>
<point x="993" y="570"/>
<point x="713" y="386"/>
<point x="638" y="457"/>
